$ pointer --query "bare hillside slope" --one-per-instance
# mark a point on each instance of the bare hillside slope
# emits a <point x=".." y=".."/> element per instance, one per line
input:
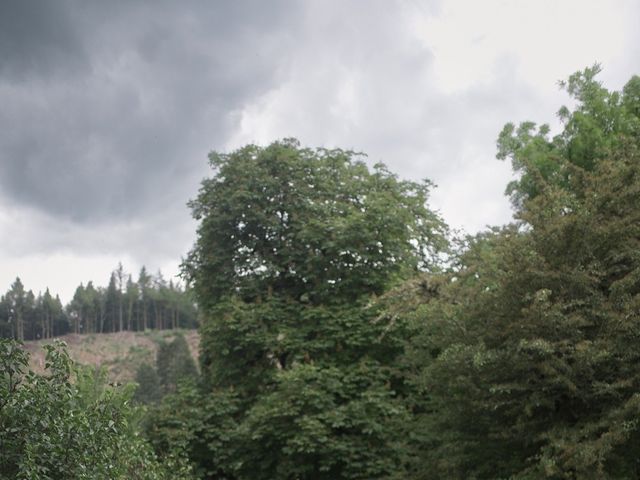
<point x="120" y="353"/>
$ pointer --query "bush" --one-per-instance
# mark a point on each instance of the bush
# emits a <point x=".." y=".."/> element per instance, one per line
<point x="68" y="423"/>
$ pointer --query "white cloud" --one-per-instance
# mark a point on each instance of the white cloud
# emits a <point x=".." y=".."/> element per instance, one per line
<point x="427" y="90"/>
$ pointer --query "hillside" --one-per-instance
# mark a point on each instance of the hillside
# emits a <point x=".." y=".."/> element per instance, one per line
<point x="121" y="353"/>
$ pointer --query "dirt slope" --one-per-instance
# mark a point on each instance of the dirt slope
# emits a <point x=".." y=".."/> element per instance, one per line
<point x="121" y="353"/>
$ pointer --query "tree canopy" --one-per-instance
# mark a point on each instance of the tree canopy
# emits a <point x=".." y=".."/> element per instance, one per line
<point x="526" y="357"/>
<point x="293" y="246"/>
<point x="313" y="223"/>
<point x="599" y="123"/>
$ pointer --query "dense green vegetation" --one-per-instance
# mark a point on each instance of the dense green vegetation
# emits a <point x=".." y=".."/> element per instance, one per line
<point x="526" y="360"/>
<point x="174" y="365"/>
<point x="346" y="335"/>
<point x="125" y="304"/>
<point x="68" y="423"/>
<point x="298" y="376"/>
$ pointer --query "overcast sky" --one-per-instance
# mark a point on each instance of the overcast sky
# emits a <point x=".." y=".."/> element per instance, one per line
<point x="108" y="109"/>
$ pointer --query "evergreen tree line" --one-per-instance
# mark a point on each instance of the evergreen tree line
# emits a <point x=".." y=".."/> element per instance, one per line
<point x="124" y="305"/>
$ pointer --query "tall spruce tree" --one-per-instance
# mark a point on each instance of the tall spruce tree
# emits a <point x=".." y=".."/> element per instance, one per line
<point x="16" y="299"/>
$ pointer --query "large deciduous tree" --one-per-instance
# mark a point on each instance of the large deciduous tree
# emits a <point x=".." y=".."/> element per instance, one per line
<point x="293" y="243"/>
<point x="302" y="222"/>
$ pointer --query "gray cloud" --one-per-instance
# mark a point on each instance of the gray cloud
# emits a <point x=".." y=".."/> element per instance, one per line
<point x="374" y="87"/>
<point x="38" y="39"/>
<point x="380" y="84"/>
<point x="109" y="108"/>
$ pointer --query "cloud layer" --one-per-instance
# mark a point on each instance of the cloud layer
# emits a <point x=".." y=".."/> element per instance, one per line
<point x="110" y="108"/>
<point x="106" y="105"/>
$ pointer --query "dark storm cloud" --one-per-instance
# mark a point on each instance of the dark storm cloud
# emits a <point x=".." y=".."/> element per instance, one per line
<point x="109" y="108"/>
<point x="38" y="39"/>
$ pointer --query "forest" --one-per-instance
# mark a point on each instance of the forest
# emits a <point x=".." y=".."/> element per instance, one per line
<point x="347" y="333"/>
<point x="125" y="304"/>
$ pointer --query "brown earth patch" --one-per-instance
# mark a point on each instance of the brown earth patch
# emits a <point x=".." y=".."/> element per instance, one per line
<point x="121" y="353"/>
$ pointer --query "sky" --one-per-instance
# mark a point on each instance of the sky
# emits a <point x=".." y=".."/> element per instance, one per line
<point x="108" y="110"/>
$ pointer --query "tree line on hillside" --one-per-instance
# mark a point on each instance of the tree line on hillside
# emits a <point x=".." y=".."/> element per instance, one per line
<point x="124" y="305"/>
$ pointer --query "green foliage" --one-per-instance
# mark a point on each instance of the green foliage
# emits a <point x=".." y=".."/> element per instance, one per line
<point x="316" y="224"/>
<point x="69" y="424"/>
<point x="149" y="389"/>
<point x="203" y="425"/>
<point x="526" y="363"/>
<point x="175" y="364"/>
<point x="248" y="344"/>
<point x="598" y="124"/>
<point x="291" y="391"/>
<point x="323" y="422"/>
<point x="293" y="246"/>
